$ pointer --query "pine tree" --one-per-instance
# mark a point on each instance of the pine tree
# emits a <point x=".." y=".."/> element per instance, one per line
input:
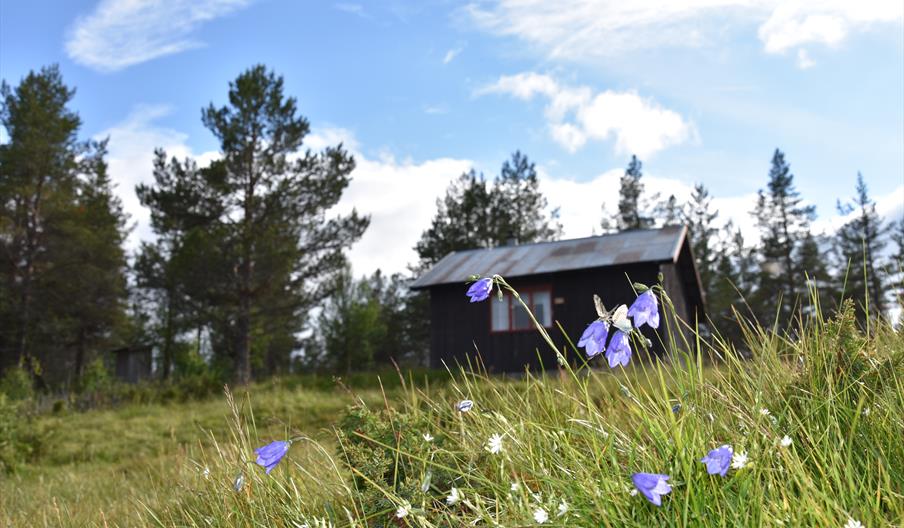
<point x="255" y="223"/>
<point x="462" y="221"/>
<point x="859" y="246"/>
<point x="61" y="233"/>
<point x="475" y="215"/>
<point x="784" y="222"/>
<point x="732" y="281"/>
<point x="518" y="208"/>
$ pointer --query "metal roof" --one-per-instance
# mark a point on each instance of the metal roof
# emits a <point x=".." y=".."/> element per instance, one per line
<point x="627" y="247"/>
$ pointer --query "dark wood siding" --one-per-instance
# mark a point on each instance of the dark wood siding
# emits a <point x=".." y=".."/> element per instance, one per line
<point x="461" y="330"/>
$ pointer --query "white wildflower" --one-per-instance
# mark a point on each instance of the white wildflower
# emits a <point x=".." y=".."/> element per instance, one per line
<point x="853" y="523"/>
<point x="453" y="497"/>
<point x="866" y="411"/>
<point x="402" y="512"/>
<point x="540" y="516"/>
<point x="515" y="486"/>
<point x="563" y="508"/>
<point x="786" y="441"/>
<point x="206" y="472"/>
<point x="633" y="492"/>
<point x="765" y="412"/>
<point x="494" y="444"/>
<point x="427" y="437"/>
<point x="739" y="460"/>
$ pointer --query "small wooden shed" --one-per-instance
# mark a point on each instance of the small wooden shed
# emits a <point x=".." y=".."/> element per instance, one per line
<point x="558" y="280"/>
<point x="133" y="363"/>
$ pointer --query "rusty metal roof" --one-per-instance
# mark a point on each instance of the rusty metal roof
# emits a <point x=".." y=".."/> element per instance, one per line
<point x="627" y="247"/>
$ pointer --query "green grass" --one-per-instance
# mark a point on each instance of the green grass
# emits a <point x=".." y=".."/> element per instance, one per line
<point x="568" y="436"/>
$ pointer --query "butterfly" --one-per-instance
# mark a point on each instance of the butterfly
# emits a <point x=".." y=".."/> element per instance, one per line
<point x="618" y="317"/>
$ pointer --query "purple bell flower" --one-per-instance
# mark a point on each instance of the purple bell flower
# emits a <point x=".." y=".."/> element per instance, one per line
<point x="619" y="351"/>
<point x="718" y="460"/>
<point x="652" y="485"/>
<point x="645" y="309"/>
<point x="270" y="455"/>
<point x="594" y="338"/>
<point x="480" y="290"/>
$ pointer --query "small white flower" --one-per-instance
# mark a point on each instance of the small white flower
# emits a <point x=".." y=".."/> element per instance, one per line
<point x="464" y="406"/>
<point x="765" y="412"/>
<point x="786" y="441"/>
<point x="427" y="437"/>
<point x="563" y="508"/>
<point x="540" y="516"/>
<point x="866" y="411"/>
<point x="633" y="492"/>
<point x="515" y="486"/>
<point x="402" y="512"/>
<point x="494" y="444"/>
<point x="739" y="460"/>
<point x="453" y="497"/>
<point x="206" y="472"/>
<point x="853" y="523"/>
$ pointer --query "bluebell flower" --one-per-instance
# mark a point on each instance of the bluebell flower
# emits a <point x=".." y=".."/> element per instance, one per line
<point x="718" y="460"/>
<point x="645" y="309"/>
<point x="270" y="455"/>
<point x="619" y="350"/>
<point x="652" y="485"/>
<point x="594" y="338"/>
<point x="480" y="290"/>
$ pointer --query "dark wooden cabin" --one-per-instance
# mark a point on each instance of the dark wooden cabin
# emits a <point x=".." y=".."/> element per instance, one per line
<point x="558" y="280"/>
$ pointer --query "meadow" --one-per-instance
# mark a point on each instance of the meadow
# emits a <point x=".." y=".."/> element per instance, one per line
<point x="813" y="420"/>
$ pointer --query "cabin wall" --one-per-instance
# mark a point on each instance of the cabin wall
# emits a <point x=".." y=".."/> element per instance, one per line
<point x="461" y="330"/>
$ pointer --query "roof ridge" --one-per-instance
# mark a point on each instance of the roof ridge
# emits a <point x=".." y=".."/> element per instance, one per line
<point x="560" y="241"/>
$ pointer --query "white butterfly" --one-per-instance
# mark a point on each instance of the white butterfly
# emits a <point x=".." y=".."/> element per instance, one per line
<point x="618" y="317"/>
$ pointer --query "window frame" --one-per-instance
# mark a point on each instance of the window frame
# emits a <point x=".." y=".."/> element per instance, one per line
<point x="527" y="294"/>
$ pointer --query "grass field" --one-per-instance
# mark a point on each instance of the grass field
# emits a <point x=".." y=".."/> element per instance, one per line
<point x="817" y="416"/>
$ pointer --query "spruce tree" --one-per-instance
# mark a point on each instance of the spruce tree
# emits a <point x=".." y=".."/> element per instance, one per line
<point x="859" y="245"/>
<point x="702" y="231"/>
<point x="630" y="207"/>
<point x="260" y="231"/>
<point x="896" y="266"/>
<point x="784" y="223"/>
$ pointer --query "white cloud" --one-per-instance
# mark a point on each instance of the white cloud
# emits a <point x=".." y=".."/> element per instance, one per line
<point x="578" y="29"/>
<point x="121" y="33"/>
<point x="130" y="160"/>
<point x="804" y="61"/>
<point x="575" y="115"/>
<point x="451" y="54"/>
<point x="353" y="9"/>
<point x="400" y="197"/>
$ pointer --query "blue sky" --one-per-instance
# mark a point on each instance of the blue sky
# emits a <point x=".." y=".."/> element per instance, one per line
<point x="701" y="90"/>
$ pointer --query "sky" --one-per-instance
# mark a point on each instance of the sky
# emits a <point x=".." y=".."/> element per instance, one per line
<point x="421" y="91"/>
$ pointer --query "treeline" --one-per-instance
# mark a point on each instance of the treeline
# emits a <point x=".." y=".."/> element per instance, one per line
<point x="247" y="276"/>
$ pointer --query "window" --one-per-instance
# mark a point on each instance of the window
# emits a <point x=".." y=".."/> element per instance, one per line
<point x="508" y="315"/>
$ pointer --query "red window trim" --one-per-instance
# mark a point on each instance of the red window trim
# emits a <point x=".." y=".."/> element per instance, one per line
<point x="527" y="295"/>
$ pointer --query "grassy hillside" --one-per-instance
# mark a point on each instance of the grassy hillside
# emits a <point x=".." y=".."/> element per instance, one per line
<point x="818" y="418"/>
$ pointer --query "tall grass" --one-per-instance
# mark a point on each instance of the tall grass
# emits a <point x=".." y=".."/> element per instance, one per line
<point x="571" y="440"/>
